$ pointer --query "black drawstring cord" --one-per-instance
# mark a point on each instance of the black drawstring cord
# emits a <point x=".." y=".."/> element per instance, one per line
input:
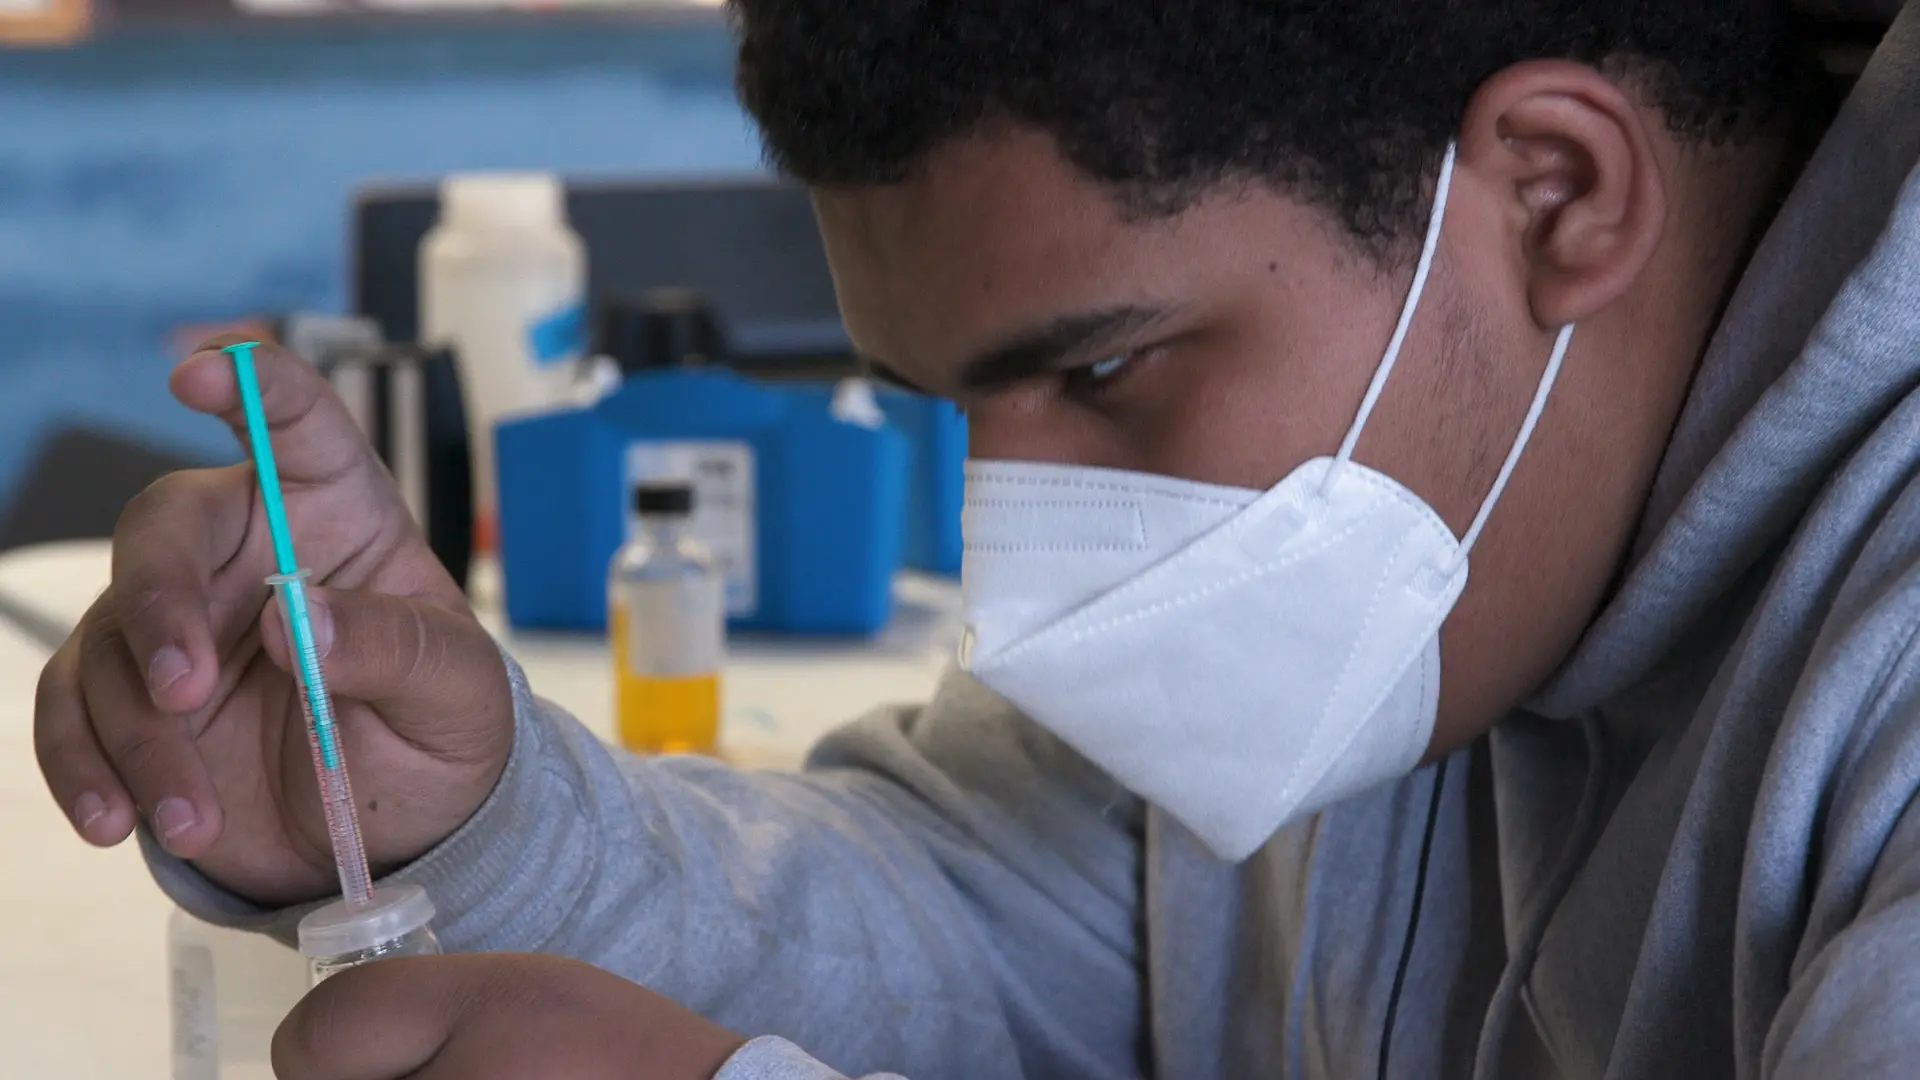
<point x="1413" y="920"/>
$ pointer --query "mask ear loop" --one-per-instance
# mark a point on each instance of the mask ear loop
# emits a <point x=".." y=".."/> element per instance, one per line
<point x="1519" y="443"/>
<point x="1427" y="248"/>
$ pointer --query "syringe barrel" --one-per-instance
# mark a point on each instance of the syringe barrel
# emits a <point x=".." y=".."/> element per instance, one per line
<point x="323" y="737"/>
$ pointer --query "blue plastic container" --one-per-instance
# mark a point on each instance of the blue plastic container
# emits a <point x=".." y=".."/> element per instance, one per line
<point x="936" y="435"/>
<point x="936" y="470"/>
<point x="820" y="532"/>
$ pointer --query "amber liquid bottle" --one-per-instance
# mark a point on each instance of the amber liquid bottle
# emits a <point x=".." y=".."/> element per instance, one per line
<point x="667" y="619"/>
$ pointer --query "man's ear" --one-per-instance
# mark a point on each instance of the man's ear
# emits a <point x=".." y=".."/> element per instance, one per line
<point x="1588" y="199"/>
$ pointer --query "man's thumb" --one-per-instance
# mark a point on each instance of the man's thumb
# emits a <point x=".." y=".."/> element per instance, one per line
<point x="423" y="666"/>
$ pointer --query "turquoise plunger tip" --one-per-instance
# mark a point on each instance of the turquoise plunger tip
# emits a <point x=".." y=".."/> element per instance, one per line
<point x="263" y="463"/>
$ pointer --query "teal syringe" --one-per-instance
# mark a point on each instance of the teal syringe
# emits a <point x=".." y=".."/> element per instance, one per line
<point x="290" y="589"/>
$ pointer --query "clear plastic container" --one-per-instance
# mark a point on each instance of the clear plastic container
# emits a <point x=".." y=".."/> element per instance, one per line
<point x="667" y="611"/>
<point x="229" y="991"/>
<point x="399" y="922"/>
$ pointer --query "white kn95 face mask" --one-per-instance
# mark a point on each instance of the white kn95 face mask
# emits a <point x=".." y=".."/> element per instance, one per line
<point x="1238" y="658"/>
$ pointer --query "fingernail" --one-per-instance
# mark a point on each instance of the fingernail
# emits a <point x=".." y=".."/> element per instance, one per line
<point x="322" y="621"/>
<point x="173" y="817"/>
<point x="168" y="666"/>
<point x="88" y="809"/>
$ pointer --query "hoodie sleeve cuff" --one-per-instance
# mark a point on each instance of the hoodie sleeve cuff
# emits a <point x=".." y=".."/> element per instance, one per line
<point x="508" y="877"/>
<point x="199" y="897"/>
<point x="772" y="1058"/>
<point x="481" y="880"/>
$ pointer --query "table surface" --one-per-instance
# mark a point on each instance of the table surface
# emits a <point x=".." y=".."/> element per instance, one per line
<point x="85" y="930"/>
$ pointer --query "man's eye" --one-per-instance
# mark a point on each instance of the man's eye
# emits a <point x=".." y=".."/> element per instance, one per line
<point x="1097" y="376"/>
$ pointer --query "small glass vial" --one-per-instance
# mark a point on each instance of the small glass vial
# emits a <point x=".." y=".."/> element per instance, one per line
<point x="230" y="990"/>
<point x="667" y="613"/>
<point x="398" y="922"/>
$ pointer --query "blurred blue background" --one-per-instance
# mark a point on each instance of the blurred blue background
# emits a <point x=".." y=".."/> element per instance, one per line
<point x="151" y="183"/>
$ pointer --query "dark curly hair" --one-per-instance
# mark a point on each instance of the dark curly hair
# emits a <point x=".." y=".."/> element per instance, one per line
<point x="1345" y="103"/>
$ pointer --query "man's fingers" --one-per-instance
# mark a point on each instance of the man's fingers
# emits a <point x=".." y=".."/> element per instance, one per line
<point x="171" y="540"/>
<point x="152" y="752"/>
<point x="383" y="1021"/>
<point x="78" y="774"/>
<point x="315" y="439"/>
<point x="434" y="674"/>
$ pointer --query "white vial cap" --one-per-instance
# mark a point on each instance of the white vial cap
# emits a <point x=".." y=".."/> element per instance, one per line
<point x="339" y="930"/>
<point x="503" y="201"/>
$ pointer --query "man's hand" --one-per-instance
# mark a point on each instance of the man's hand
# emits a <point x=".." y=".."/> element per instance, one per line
<point x="172" y="698"/>
<point x="494" y="1017"/>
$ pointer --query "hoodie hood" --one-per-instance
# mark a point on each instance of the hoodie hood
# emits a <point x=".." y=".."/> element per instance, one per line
<point x="1797" y="373"/>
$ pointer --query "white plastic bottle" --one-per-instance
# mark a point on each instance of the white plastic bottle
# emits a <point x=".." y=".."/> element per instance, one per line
<point x="503" y="279"/>
<point x="230" y="990"/>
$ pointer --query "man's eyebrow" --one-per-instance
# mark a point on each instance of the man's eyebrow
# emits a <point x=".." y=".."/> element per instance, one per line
<point x="1034" y="351"/>
<point x="1039" y="349"/>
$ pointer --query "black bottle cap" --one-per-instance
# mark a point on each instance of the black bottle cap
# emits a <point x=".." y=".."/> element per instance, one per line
<point x="663" y="498"/>
<point x="659" y="329"/>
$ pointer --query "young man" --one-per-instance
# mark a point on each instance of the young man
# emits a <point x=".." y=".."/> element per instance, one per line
<point x="1272" y="321"/>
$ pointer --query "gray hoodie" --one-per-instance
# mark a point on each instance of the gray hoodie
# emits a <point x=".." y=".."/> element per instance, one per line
<point x="1692" y="856"/>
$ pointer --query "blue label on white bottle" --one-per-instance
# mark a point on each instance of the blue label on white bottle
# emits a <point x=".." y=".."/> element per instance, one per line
<point x="558" y="337"/>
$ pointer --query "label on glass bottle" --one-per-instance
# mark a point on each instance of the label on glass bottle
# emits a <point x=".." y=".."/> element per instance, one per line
<point x="721" y="474"/>
<point x="196" y="1015"/>
<point x="675" y="627"/>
